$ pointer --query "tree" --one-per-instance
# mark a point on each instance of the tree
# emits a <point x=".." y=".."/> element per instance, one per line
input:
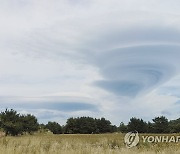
<point x="160" y="125"/>
<point x="70" y="127"/>
<point x="150" y="128"/>
<point x="114" y="128"/>
<point x="42" y="126"/>
<point x="103" y="125"/>
<point x="29" y="123"/>
<point x="54" y="127"/>
<point x="137" y="124"/>
<point x="11" y="123"/>
<point x="123" y="128"/>
<point x="14" y="124"/>
<point x="88" y="125"/>
<point x="82" y="125"/>
<point x="174" y="126"/>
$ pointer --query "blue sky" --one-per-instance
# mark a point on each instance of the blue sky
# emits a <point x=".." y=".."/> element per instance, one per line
<point x="114" y="59"/>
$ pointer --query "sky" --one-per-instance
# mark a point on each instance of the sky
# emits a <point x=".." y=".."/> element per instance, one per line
<point x="101" y="58"/>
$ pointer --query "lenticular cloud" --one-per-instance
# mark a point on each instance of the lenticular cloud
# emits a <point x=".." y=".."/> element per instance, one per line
<point x="135" y="70"/>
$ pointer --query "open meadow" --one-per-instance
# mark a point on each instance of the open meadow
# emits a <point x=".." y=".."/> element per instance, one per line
<point x="80" y="144"/>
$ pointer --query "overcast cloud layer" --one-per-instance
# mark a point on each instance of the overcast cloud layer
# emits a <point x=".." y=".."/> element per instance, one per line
<point x="101" y="58"/>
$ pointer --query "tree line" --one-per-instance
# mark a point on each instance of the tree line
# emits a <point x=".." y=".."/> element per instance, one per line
<point x="158" y="125"/>
<point x="13" y="123"/>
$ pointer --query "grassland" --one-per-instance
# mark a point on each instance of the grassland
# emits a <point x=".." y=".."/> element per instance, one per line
<point x="80" y="144"/>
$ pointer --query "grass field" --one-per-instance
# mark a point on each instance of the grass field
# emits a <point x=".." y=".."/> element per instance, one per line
<point x="80" y="144"/>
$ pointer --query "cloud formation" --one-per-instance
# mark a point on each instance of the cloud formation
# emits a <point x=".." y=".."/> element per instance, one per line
<point x="108" y="58"/>
<point x="130" y="71"/>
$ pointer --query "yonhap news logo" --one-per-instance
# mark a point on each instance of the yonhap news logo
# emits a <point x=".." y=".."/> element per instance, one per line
<point x="132" y="139"/>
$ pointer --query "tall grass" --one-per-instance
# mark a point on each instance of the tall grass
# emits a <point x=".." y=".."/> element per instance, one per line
<point x="80" y="144"/>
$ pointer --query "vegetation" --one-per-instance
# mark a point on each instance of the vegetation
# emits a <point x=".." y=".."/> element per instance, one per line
<point x="87" y="125"/>
<point x="15" y="124"/>
<point x="80" y="144"/>
<point x="54" y="127"/>
<point x="158" y="125"/>
<point x="81" y="135"/>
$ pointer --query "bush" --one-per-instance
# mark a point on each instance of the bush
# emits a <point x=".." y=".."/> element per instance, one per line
<point x="14" y="124"/>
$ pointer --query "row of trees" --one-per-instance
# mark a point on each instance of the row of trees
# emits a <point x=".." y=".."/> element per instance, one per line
<point x="14" y="123"/>
<point x="88" y="125"/>
<point x="81" y="125"/>
<point x="158" y="125"/>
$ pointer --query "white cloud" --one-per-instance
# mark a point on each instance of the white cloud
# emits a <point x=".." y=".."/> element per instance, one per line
<point x="61" y="48"/>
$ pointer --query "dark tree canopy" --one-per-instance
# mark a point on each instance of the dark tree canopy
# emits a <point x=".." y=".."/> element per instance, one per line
<point x="160" y="125"/>
<point x="123" y="128"/>
<point x="14" y="124"/>
<point x="88" y="125"/>
<point x="137" y="124"/>
<point x="54" y="127"/>
<point x="30" y="123"/>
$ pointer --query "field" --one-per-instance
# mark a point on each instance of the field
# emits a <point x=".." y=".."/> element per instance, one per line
<point x="80" y="144"/>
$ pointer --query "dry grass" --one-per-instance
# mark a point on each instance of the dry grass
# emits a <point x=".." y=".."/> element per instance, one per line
<point x="80" y="144"/>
